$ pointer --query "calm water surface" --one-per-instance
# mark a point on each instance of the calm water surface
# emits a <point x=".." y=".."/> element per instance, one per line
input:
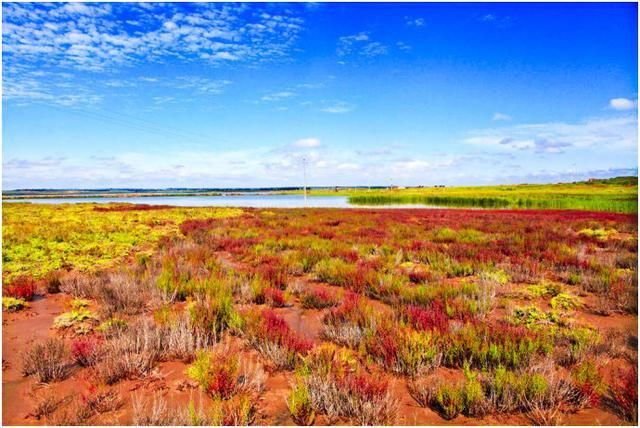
<point x="255" y="201"/>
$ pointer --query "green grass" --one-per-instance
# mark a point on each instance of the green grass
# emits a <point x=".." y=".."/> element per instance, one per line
<point x="618" y="194"/>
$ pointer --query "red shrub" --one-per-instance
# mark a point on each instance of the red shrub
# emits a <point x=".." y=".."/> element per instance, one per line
<point x="275" y="297"/>
<point x="366" y="387"/>
<point x="326" y="234"/>
<point x="418" y="276"/>
<point x="353" y="310"/>
<point x="272" y="271"/>
<point x="625" y="393"/>
<point x="276" y="329"/>
<point x="317" y="298"/>
<point x="384" y="346"/>
<point x="432" y="317"/>
<point x="85" y="350"/>
<point x="22" y="287"/>
<point x="222" y="384"/>
<point x="190" y="226"/>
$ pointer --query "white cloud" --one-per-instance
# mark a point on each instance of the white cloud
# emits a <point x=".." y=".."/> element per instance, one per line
<point x="417" y="22"/>
<point x="307" y="143"/>
<point x="374" y="49"/>
<point x="501" y="116"/>
<point x="91" y="36"/>
<point x="622" y="104"/>
<point x="278" y="96"/>
<point x="361" y="44"/>
<point x="556" y="137"/>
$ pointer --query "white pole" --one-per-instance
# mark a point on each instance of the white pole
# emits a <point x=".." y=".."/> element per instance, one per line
<point x="304" y="173"/>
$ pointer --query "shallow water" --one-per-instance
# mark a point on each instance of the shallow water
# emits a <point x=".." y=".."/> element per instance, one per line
<point x="254" y="201"/>
<point x="257" y="201"/>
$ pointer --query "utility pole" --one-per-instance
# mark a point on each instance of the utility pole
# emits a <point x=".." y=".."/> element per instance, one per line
<point x="304" y="182"/>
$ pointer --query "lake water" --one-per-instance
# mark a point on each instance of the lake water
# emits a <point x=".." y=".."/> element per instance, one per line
<point x="255" y="201"/>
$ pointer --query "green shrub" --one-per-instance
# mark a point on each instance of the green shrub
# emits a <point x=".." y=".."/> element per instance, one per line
<point x="544" y="289"/>
<point x="565" y="301"/>
<point x="448" y="400"/>
<point x="12" y="304"/>
<point x="216" y="372"/>
<point x="299" y="404"/>
<point x="80" y="320"/>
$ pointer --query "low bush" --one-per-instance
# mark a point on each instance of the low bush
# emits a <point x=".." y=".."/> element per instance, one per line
<point x="446" y="400"/>
<point x="588" y="384"/>
<point x="12" y="304"/>
<point x="100" y="400"/>
<point x="300" y="406"/>
<point x="112" y="327"/>
<point x="181" y="339"/>
<point x="539" y="391"/>
<point x="155" y="412"/>
<point x="22" y="287"/>
<point x="565" y="302"/>
<point x="487" y="346"/>
<point x="46" y="403"/>
<point x="80" y="321"/>
<point x="79" y="285"/>
<point x="318" y="298"/>
<point x="338" y="386"/>
<point x="239" y="410"/>
<point x="221" y="377"/>
<point x="86" y="351"/>
<point x="403" y="350"/>
<point x="449" y="400"/>
<point x="272" y="337"/>
<point x="47" y="360"/>
<point x="130" y="353"/>
<point x="275" y="298"/>
<point x="426" y="318"/>
<point x="214" y="314"/>
<point x="53" y="282"/>
<point x="120" y="293"/>
<point x="544" y="289"/>
<point x="623" y="393"/>
<point x="350" y="322"/>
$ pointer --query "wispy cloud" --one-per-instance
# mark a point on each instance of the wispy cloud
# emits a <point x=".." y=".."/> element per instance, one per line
<point x="338" y="107"/>
<point x="360" y="44"/>
<point x="556" y="137"/>
<point x="278" y="96"/>
<point x="414" y="22"/>
<point x="501" y="116"/>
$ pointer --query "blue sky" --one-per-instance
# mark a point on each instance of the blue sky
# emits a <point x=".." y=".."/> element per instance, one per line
<point x="235" y="95"/>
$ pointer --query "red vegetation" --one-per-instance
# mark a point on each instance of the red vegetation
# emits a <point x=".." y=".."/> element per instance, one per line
<point x="363" y="385"/>
<point x="85" y="350"/>
<point x="223" y="379"/>
<point x="22" y="287"/>
<point x="272" y="271"/>
<point x="433" y="317"/>
<point x="276" y="329"/>
<point x="317" y="298"/>
<point x="275" y="297"/>
<point x="624" y="392"/>
<point x="385" y="346"/>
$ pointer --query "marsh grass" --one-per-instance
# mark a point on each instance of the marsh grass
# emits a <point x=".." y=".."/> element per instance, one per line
<point x="583" y="202"/>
